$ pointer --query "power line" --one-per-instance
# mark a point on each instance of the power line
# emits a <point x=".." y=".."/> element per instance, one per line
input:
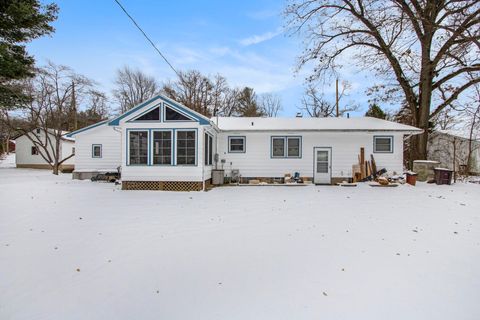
<point x="146" y="36"/>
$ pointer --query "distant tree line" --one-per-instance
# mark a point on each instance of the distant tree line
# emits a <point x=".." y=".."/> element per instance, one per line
<point x="208" y="95"/>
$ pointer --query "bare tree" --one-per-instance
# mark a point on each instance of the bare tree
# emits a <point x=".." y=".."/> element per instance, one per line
<point x="231" y="103"/>
<point x="445" y="120"/>
<point x="210" y="96"/>
<point x="424" y="49"/>
<point x="192" y="89"/>
<point x="316" y="106"/>
<point x="270" y="104"/>
<point x="133" y="87"/>
<point x="48" y="111"/>
<point x="472" y="113"/>
<point x="96" y="108"/>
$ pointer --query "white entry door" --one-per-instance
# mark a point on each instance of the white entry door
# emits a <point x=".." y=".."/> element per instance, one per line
<point x="322" y="166"/>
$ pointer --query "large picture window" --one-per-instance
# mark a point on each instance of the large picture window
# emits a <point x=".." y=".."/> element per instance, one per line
<point x="383" y="144"/>
<point x="162" y="147"/>
<point x="186" y="147"/>
<point x="286" y="147"/>
<point x="138" y="145"/>
<point x="208" y="149"/>
<point x="236" y="144"/>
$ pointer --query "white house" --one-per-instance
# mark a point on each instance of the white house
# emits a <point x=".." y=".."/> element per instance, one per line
<point x="161" y="144"/>
<point x="28" y="155"/>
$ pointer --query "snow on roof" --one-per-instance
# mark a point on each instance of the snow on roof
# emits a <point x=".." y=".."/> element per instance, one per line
<point x="64" y="134"/>
<point x="463" y="134"/>
<point x="317" y="124"/>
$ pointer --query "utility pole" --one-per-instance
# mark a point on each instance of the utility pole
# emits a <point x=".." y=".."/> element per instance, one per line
<point x="74" y="107"/>
<point x="336" y="96"/>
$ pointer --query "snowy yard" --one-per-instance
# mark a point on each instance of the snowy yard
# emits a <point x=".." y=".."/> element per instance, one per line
<point x="83" y="250"/>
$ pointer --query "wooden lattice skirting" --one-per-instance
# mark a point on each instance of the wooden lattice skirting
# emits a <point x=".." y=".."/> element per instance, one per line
<point x="163" y="185"/>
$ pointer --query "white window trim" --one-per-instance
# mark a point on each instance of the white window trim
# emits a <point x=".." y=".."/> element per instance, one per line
<point x="206" y="156"/>
<point x="244" y="139"/>
<point x="93" y="150"/>
<point x="382" y="137"/>
<point x="285" y="147"/>
<point x="196" y="147"/>
<point x="153" y="147"/>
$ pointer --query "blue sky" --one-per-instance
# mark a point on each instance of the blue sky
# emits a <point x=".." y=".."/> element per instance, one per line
<point x="242" y="40"/>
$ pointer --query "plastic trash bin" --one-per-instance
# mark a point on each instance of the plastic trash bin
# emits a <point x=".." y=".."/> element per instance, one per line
<point x="443" y="176"/>
<point x="411" y="177"/>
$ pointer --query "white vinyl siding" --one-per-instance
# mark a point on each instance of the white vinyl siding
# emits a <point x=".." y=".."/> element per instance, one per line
<point x="258" y="162"/>
<point x="110" y="140"/>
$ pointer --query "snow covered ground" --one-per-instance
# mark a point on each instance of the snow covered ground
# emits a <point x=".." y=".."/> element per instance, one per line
<point x="83" y="250"/>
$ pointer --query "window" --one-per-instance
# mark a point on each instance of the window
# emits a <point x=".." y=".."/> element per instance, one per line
<point x="293" y="147"/>
<point x="208" y="150"/>
<point x="236" y="144"/>
<point x="186" y="147"/>
<point x="73" y="150"/>
<point x="162" y="147"/>
<point x="37" y="131"/>
<point x="96" y="150"/>
<point x="172" y="115"/>
<point x="34" y="151"/>
<point x="383" y="144"/>
<point x="278" y="147"/>
<point x="153" y="115"/>
<point x="138" y="145"/>
<point x="286" y="147"/>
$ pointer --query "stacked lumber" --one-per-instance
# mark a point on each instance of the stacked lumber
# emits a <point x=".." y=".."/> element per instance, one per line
<point x="365" y="170"/>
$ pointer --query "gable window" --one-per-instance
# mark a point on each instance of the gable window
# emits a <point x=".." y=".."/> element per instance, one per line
<point x="173" y="115"/>
<point x="34" y="151"/>
<point x="96" y="150"/>
<point x="286" y="147"/>
<point x="383" y="144"/>
<point x="208" y="149"/>
<point x="162" y="147"/>
<point x="236" y="144"/>
<point x="138" y="145"/>
<point x="37" y="131"/>
<point x="186" y="147"/>
<point x="153" y="115"/>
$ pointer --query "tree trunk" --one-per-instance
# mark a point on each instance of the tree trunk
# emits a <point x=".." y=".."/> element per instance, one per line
<point x="55" y="169"/>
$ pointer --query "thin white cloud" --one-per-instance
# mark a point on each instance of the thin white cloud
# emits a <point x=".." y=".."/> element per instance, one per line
<point x="264" y="14"/>
<point x="255" y="39"/>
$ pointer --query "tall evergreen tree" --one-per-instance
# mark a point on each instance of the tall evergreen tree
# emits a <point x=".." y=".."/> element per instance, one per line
<point x="20" y="22"/>
<point x="248" y="105"/>
<point x="375" y="111"/>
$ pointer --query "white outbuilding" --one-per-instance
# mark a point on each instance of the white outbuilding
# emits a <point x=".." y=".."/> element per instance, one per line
<point x="28" y="154"/>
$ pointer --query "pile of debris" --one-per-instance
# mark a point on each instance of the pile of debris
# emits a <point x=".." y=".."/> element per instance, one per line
<point x="366" y="170"/>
